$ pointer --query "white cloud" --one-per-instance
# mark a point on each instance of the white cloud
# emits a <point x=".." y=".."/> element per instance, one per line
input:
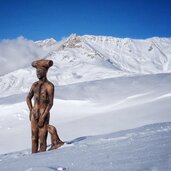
<point x="18" y="53"/>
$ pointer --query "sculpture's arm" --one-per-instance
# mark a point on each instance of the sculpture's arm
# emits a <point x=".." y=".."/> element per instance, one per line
<point x="28" y="100"/>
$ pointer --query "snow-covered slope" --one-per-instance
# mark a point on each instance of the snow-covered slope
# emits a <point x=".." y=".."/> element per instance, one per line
<point x="97" y="107"/>
<point x="146" y="148"/>
<point x="102" y="85"/>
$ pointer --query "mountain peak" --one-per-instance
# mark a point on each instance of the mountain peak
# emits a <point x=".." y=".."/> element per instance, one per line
<point x="72" y="41"/>
<point x="46" y="42"/>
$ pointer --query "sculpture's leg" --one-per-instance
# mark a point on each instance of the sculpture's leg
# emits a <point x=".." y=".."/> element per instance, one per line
<point x="35" y="132"/>
<point x="55" y="140"/>
<point x="43" y="137"/>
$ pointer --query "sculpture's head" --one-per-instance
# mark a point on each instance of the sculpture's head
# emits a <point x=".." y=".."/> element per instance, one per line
<point x="42" y="67"/>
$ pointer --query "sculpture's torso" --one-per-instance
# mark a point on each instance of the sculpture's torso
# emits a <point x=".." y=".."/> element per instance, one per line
<point x="41" y="98"/>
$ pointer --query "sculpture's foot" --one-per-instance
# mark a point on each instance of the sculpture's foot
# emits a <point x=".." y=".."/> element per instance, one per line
<point x="56" y="145"/>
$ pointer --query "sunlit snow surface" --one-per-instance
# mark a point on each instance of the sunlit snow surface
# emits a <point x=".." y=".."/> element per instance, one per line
<point x="147" y="148"/>
<point x="103" y="88"/>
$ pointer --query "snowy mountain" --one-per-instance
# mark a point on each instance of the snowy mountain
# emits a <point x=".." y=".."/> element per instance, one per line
<point x="102" y="85"/>
<point x="86" y="58"/>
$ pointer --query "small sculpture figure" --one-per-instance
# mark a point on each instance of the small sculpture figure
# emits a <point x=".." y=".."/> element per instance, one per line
<point x="43" y="93"/>
<point x="55" y="140"/>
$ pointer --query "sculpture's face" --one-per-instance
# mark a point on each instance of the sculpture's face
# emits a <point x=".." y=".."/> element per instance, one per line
<point x="41" y="73"/>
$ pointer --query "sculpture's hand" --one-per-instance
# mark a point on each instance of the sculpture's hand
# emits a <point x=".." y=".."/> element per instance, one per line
<point x="35" y="115"/>
<point x="41" y="122"/>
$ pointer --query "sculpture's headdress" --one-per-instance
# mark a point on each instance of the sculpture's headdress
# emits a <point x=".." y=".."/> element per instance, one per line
<point x="42" y="64"/>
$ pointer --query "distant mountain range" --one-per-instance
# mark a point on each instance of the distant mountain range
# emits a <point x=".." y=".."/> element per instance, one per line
<point x="85" y="58"/>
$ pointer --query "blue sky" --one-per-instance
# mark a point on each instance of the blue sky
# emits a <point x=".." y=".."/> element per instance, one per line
<point x="41" y="19"/>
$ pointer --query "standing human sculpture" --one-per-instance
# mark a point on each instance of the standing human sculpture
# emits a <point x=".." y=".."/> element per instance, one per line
<point x="43" y="93"/>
